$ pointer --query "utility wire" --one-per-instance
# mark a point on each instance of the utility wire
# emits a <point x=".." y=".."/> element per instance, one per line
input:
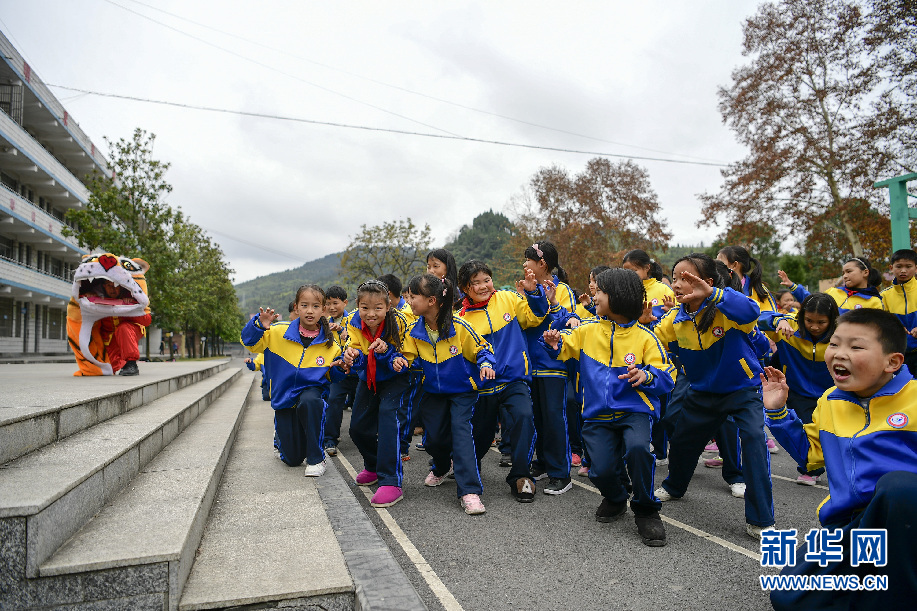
<point x="411" y="91"/>
<point x="277" y="70"/>
<point x="255" y="245"/>
<point x="388" y="130"/>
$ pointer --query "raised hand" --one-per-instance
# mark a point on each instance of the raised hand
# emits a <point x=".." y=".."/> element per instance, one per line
<point x="699" y="288"/>
<point x="668" y="302"/>
<point x="784" y="328"/>
<point x="550" y="290"/>
<point x="552" y="338"/>
<point x="334" y="326"/>
<point x="647" y="316"/>
<point x="573" y="322"/>
<point x="585" y="299"/>
<point x="266" y="316"/>
<point x="635" y="376"/>
<point x="399" y="363"/>
<point x="488" y="373"/>
<point x="774" y="388"/>
<point x="784" y="279"/>
<point x="378" y="346"/>
<point x="528" y="282"/>
<point x="350" y="355"/>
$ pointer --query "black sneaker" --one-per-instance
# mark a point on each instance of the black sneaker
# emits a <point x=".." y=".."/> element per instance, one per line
<point x="537" y="473"/>
<point x="558" y="485"/>
<point x="331" y="449"/>
<point x="130" y="369"/>
<point x="608" y="511"/>
<point x="651" y="529"/>
<point x="506" y="460"/>
<point x="524" y="490"/>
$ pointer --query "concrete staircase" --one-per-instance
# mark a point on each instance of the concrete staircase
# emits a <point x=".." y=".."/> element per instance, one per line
<point x="106" y="483"/>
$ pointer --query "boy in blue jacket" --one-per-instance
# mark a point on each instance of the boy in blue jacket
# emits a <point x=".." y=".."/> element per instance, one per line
<point x="864" y="430"/>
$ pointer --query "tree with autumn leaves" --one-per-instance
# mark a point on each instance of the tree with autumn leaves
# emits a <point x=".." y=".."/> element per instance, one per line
<point x="593" y="217"/>
<point x="821" y="109"/>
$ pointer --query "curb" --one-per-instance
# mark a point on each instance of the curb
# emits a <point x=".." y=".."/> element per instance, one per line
<point x="379" y="581"/>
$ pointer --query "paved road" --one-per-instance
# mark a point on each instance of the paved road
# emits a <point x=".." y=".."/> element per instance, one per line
<point x="552" y="554"/>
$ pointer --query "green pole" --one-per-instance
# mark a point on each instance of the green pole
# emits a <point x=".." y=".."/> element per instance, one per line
<point x="898" y="209"/>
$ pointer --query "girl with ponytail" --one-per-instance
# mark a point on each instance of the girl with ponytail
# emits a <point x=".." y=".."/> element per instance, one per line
<point x="858" y="288"/>
<point x="454" y="360"/>
<point x="749" y="272"/>
<point x="650" y="273"/>
<point x="549" y="375"/>
<point x="711" y="331"/>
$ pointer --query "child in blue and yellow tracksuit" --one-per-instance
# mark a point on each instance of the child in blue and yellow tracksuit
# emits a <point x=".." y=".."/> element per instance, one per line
<point x="858" y="290"/>
<point x="500" y="317"/>
<point x="453" y="360"/>
<point x="257" y="364"/>
<point x="864" y="430"/>
<point x="901" y="300"/>
<point x="302" y="357"/>
<point x="338" y="318"/>
<point x="711" y="329"/>
<point x="625" y="371"/>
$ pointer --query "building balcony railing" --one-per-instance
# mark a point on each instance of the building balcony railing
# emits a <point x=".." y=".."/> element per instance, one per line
<point x="25" y="277"/>
<point x="18" y="63"/>
<point x="25" y="210"/>
<point x="39" y="155"/>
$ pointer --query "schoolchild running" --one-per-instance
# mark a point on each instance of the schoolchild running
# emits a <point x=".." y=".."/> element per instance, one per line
<point x="625" y="371"/>
<point x="500" y="317"/>
<point x="375" y="332"/>
<point x="303" y="359"/>
<point x="711" y="331"/>
<point x="864" y="432"/>
<point x="454" y="360"/>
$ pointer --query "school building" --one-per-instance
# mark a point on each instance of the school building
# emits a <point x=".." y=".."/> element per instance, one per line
<point x="44" y="161"/>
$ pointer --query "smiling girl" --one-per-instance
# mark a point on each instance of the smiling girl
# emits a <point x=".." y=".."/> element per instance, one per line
<point x="375" y="333"/>
<point x="858" y="290"/>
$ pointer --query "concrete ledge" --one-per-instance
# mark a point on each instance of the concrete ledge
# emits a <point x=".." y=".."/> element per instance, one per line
<point x="60" y="487"/>
<point x="380" y="583"/>
<point x="46" y="403"/>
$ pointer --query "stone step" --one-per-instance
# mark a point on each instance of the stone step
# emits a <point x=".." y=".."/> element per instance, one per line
<point x="268" y="537"/>
<point x="59" y="487"/>
<point x="41" y="404"/>
<point x="160" y="516"/>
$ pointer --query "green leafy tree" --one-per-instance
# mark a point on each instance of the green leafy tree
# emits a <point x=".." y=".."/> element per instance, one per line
<point x="397" y="247"/>
<point x="486" y="239"/>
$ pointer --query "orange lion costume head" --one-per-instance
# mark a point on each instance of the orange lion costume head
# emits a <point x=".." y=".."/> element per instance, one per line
<point x="90" y="304"/>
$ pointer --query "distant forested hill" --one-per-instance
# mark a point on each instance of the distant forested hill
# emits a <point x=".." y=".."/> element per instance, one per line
<point x="278" y="289"/>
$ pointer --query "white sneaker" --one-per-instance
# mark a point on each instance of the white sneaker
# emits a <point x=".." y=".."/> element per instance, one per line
<point x="755" y="531"/>
<point x="738" y="490"/>
<point x="663" y="495"/>
<point x="662" y="462"/>
<point x="276" y="453"/>
<point x="315" y="470"/>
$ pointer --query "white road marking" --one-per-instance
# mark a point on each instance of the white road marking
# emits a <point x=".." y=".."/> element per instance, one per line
<point x="423" y="567"/>
<point x="790" y="479"/>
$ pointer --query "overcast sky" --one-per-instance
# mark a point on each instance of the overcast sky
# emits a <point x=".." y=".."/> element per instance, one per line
<point x="636" y="78"/>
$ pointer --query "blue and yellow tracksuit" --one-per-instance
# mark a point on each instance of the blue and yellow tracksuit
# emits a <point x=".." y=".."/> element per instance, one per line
<point x="257" y="364"/>
<point x="767" y="306"/>
<point x="340" y="390"/>
<point x="379" y="417"/>
<point x="901" y="300"/>
<point x="723" y="368"/>
<point x="656" y="292"/>
<point x="846" y="299"/>
<point x="299" y="378"/>
<point x="549" y="393"/>
<point x="501" y="322"/>
<point x="802" y="359"/>
<point x="858" y="440"/>
<point x="451" y="366"/>
<point x="617" y="417"/>
<point x="869" y="446"/>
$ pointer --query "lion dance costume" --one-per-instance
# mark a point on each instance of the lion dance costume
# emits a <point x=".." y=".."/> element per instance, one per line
<point x="108" y="313"/>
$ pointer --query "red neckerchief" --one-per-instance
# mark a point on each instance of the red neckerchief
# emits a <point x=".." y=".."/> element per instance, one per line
<point x="467" y="305"/>
<point x="371" y="358"/>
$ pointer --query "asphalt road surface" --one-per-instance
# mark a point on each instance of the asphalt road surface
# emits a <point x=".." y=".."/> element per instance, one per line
<point x="552" y="554"/>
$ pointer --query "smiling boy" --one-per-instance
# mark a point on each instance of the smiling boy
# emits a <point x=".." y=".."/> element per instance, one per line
<point x="864" y="431"/>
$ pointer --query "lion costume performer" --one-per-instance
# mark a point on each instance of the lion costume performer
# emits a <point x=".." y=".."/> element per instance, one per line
<point x="108" y="313"/>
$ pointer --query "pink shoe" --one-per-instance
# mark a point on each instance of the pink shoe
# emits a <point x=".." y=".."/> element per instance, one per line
<point x="386" y="496"/>
<point x="472" y="504"/>
<point x="576" y="460"/>
<point x="366" y="478"/>
<point x="714" y="463"/>
<point x="435" y="480"/>
<point x="583" y="471"/>
<point x="772" y="446"/>
<point x="711" y="447"/>
<point x="807" y="480"/>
